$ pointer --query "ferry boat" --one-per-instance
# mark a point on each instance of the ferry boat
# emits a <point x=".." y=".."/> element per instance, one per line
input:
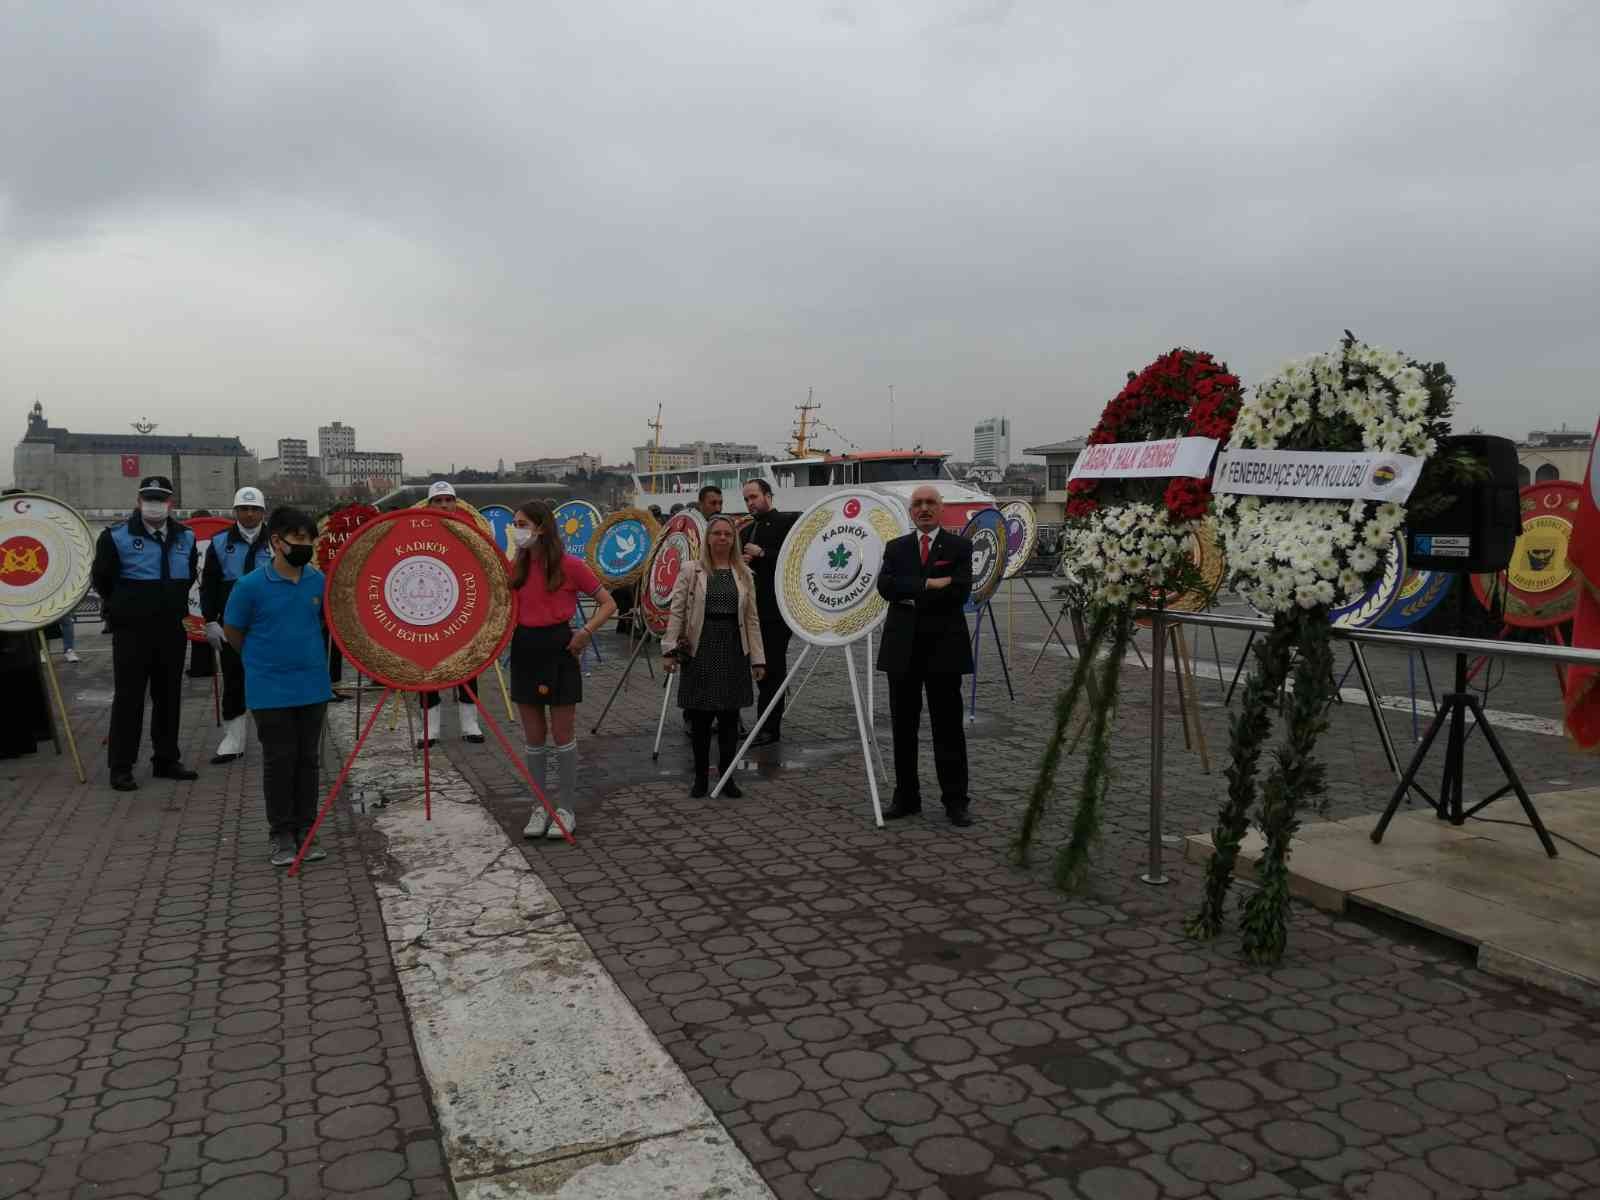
<point x="799" y="482"/>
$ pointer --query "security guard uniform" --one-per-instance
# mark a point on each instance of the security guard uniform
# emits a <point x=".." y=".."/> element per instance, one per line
<point x="230" y="557"/>
<point x="143" y="570"/>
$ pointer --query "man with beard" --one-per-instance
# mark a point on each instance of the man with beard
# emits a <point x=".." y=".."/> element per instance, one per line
<point x="763" y="540"/>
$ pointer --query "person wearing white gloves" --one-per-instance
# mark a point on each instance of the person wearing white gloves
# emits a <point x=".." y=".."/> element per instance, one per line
<point x="230" y="557"/>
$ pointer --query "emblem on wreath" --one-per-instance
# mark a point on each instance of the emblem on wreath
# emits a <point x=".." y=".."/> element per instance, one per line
<point x="838" y="557"/>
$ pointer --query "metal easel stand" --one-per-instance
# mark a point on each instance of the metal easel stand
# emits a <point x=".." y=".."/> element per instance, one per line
<point x="871" y="755"/>
<point x="977" y="641"/>
<point x="1054" y="627"/>
<point x="626" y="671"/>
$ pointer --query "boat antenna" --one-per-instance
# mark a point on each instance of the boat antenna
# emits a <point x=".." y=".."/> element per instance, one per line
<point x="800" y="448"/>
<point x="891" y="416"/>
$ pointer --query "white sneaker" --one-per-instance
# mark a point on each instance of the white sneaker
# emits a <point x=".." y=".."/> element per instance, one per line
<point x="554" y="834"/>
<point x="72" y="656"/>
<point x="538" y="824"/>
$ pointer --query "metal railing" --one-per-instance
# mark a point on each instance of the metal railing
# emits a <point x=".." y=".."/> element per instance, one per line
<point x="1162" y="619"/>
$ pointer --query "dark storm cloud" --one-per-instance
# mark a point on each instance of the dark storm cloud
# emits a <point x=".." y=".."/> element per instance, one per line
<point x="558" y="215"/>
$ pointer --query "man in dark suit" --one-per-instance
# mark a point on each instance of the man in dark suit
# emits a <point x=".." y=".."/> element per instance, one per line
<point x="926" y="577"/>
<point x="763" y="543"/>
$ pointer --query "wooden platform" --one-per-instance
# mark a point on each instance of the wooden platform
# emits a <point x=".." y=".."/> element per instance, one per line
<point x="1492" y="886"/>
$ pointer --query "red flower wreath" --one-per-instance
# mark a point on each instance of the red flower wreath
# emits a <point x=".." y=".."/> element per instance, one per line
<point x="1184" y="393"/>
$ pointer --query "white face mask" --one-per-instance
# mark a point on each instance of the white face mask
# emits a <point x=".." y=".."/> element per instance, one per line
<point x="250" y="535"/>
<point x="522" y="536"/>
<point x="154" y="511"/>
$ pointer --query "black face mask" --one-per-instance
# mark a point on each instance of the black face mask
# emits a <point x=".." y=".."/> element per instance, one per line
<point x="297" y="556"/>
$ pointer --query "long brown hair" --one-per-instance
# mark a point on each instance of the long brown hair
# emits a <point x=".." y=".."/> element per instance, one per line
<point x="548" y="547"/>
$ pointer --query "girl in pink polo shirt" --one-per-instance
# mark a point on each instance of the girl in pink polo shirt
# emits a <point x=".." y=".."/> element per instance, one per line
<point x="546" y="681"/>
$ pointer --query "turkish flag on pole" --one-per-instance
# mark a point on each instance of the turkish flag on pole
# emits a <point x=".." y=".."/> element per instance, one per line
<point x="130" y="466"/>
<point x="1583" y="555"/>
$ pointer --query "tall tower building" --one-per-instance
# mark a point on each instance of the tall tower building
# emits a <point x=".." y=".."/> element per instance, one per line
<point x="991" y="443"/>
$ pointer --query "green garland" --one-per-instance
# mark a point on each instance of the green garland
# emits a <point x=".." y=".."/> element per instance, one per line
<point x="1072" y="860"/>
<point x="1295" y="778"/>
<point x="1066" y="704"/>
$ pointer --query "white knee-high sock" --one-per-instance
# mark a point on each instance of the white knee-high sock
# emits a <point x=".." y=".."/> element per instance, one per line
<point x="536" y="757"/>
<point x="566" y="761"/>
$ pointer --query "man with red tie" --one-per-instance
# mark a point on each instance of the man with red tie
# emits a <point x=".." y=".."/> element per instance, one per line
<point x="926" y="577"/>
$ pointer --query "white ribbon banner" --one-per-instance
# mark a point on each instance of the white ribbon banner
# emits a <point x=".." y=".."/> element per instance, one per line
<point x="1190" y="456"/>
<point x="1317" y="474"/>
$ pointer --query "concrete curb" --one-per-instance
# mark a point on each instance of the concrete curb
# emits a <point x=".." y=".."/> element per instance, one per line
<point x="546" y="1080"/>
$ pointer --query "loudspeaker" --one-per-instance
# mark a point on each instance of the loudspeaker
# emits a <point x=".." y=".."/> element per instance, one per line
<point x="1477" y="532"/>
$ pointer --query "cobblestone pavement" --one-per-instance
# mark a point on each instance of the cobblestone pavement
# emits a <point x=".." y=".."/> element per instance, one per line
<point x="899" y="1012"/>
<point x="177" y="1019"/>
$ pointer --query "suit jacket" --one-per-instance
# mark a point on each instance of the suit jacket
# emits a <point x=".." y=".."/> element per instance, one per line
<point x="923" y="623"/>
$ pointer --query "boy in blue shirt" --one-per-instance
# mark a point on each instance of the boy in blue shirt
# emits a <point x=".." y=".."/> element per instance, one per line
<point x="274" y="620"/>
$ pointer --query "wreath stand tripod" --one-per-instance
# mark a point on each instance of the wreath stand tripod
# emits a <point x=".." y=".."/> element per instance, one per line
<point x="1458" y="702"/>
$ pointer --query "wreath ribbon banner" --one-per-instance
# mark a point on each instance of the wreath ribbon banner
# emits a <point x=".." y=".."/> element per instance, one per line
<point x="1163" y="458"/>
<point x="1318" y="475"/>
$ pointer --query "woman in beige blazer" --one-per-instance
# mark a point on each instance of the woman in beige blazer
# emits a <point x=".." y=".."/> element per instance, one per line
<point x="714" y="636"/>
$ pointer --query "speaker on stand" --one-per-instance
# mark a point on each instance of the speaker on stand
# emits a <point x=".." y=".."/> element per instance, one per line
<point x="1476" y="533"/>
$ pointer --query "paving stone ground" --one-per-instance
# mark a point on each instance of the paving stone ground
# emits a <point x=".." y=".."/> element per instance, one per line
<point x="900" y="1012"/>
<point x="177" y="1018"/>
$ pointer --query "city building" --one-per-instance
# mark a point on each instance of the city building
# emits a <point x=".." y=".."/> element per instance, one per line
<point x="1058" y="460"/>
<point x="991" y="443"/>
<point x="558" y="468"/>
<point x="1548" y="454"/>
<point x="98" y="473"/>
<point x="694" y="454"/>
<point x="334" y="440"/>
<point x="378" y="471"/>
<point x="293" y="459"/>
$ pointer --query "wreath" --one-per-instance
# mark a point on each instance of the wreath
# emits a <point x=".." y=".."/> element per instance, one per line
<point x="1297" y="559"/>
<point x="1128" y="540"/>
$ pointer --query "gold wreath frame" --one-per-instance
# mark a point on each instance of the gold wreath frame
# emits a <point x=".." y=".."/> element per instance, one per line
<point x="623" y="514"/>
<point x="812" y="622"/>
<point x="1030" y="535"/>
<point x="394" y="669"/>
<point x="80" y="539"/>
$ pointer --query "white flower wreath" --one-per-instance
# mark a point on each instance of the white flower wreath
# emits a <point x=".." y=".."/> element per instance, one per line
<point x="1284" y="554"/>
<point x="1125" y="553"/>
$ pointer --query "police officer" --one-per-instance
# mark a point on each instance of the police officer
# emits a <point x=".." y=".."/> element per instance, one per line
<point x="143" y="570"/>
<point x="442" y="497"/>
<point x="230" y="557"/>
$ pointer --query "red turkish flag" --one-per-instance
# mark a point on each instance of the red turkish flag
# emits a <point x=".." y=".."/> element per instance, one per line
<point x="1583" y="555"/>
<point x="130" y="466"/>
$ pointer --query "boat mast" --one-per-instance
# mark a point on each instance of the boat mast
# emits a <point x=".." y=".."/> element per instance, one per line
<point x="655" y="446"/>
<point x="799" y="449"/>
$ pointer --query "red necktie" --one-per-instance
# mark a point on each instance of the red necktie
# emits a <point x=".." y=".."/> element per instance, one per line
<point x="926" y="542"/>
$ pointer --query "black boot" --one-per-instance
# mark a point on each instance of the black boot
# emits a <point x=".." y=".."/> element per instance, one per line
<point x="728" y="749"/>
<point x="700" y="739"/>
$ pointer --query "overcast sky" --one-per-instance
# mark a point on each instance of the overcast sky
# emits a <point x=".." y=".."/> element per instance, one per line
<point x="512" y="229"/>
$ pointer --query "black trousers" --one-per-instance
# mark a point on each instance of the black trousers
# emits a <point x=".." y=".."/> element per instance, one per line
<point x="330" y="648"/>
<point x="145" y="658"/>
<point x="775" y="639"/>
<point x="949" y="736"/>
<point x="289" y="780"/>
<point x="700" y="722"/>
<point x="232" y="683"/>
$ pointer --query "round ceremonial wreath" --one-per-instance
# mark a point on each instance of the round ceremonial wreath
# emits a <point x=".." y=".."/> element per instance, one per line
<point x="1283" y="554"/>
<point x="1131" y="538"/>
<point x="1128" y="542"/>
<point x="1308" y="563"/>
